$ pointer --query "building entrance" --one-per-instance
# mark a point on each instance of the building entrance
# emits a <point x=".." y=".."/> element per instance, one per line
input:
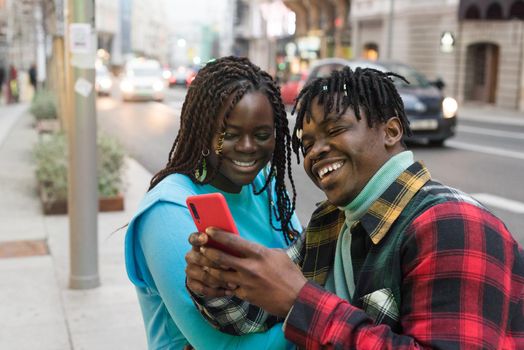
<point x="481" y="72"/>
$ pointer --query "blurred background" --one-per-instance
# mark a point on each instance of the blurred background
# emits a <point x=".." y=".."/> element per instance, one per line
<point x="108" y="79"/>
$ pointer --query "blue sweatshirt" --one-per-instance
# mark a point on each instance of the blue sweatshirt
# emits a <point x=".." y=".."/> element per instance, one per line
<point x="155" y="246"/>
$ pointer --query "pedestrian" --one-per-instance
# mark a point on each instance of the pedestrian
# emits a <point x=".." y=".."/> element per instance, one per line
<point x="233" y="139"/>
<point x="393" y="259"/>
<point x="2" y="77"/>
<point x="32" y="77"/>
<point x="12" y="85"/>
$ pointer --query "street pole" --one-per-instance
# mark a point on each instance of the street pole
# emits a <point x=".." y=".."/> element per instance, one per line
<point x="83" y="184"/>
<point x="390" y="28"/>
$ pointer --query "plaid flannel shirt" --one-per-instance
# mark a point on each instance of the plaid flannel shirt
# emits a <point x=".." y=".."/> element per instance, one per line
<point x="429" y="262"/>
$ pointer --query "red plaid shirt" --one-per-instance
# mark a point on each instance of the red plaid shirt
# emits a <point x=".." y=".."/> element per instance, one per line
<point x="435" y="270"/>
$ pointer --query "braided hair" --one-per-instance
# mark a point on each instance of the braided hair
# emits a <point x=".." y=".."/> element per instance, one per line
<point x="219" y="81"/>
<point x="366" y="89"/>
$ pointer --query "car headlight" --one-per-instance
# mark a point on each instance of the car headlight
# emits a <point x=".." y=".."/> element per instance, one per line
<point x="126" y="86"/>
<point x="106" y="83"/>
<point x="158" y="86"/>
<point x="449" y="107"/>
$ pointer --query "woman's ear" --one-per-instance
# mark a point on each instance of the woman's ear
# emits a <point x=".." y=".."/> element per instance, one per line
<point x="393" y="132"/>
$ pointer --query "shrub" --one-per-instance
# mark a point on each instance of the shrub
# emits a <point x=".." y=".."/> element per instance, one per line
<point x="43" y="105"/>
<point x="51" y="157"/>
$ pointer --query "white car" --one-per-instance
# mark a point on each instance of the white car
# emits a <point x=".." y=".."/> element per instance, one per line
<point x="103" y="81"/>
<point x="143" y="81"/>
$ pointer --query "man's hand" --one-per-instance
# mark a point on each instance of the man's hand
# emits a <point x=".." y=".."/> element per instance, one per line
<point x="198" y="280"/>
<point x="264" y="277"/>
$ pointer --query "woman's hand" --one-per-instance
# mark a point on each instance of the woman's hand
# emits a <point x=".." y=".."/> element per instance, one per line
<point x="198" y="278"/>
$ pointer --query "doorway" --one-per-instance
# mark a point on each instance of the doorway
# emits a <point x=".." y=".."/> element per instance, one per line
<point x="482" y="62"/>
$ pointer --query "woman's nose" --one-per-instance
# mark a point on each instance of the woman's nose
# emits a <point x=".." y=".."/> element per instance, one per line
<point x="246" y="144"/>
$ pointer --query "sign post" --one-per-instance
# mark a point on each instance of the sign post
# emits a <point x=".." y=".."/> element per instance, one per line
<point x="83" y="184"/>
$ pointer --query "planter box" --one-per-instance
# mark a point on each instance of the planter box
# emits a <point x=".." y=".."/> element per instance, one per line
<point x="60" y="207"/>
<point x="47" y="126"/>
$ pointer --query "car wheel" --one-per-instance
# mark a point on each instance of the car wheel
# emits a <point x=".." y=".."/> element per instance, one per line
<point x="437" y="143"/>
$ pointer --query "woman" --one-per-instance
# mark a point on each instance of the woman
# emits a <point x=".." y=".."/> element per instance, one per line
<point x="233" y="139"/>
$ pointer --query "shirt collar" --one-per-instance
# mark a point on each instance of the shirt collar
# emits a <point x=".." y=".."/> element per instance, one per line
<point x="387" y="208"/>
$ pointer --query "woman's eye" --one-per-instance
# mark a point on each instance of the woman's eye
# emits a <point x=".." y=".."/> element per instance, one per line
<point x="229" y="136"/>
<point x="263" y="137"/>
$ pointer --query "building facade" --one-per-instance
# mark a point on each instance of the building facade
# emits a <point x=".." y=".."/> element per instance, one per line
<point x="475" y="46"/>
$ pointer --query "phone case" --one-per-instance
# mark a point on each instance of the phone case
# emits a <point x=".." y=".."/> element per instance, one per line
<point x="211" y="210"/>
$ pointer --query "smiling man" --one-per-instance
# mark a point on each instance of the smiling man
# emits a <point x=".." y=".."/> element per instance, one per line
<point x="392" y="259"/>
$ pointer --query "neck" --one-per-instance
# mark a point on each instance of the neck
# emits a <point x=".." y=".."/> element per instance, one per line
<point x="224" y="184"/>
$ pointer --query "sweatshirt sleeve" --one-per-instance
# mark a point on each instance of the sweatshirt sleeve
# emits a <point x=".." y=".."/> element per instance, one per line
<point x="162" y="236"/>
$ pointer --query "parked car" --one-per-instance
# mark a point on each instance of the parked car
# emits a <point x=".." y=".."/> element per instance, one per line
<point x="321" y="68"/>
<point x="182" y="76"/>
<point x="290" y="89"/>
<point x="142" y="81"/>
<point x="103" y="80"/>
<point x="432" y="115"/>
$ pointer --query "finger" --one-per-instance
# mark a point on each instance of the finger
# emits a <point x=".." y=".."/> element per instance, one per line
<point x="202" y="289"/>
<point x="226" y="279"/>
<point x="200" y="274"/>
<point x="220" y="259"/>
<point x="197" y="239"/>
<point x="197" y="258"/>
<point x="235" y="242"/>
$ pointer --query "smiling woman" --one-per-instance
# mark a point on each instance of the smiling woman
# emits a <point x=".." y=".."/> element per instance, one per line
<point x="234" y="140"/>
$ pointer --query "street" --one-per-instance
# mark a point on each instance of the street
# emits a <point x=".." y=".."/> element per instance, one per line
<point x="483" y="159"/>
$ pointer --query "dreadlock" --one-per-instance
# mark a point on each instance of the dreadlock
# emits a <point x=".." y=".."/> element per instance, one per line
<point x="364" y="89"/>
<point x="214" y="84"/>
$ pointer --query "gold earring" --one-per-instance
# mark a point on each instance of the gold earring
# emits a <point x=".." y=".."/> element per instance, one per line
<point x="220" y="143"/>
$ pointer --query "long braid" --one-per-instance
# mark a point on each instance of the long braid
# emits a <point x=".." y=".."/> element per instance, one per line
<point x="231" y="78"/>
<point x="364" y="89"/>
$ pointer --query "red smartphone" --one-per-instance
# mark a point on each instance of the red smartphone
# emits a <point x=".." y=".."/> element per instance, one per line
<point x="211" y="210"/>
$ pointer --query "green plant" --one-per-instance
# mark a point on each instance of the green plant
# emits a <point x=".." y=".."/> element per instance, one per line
<point x="51" y="166"/>
<point x="51" y="157"/>
<point x="43" y="105"/>
<point x="110" y="166"/>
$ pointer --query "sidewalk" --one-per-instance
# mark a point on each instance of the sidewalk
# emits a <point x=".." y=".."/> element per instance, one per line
<point x="38" y="309"/>
<point x="490" y="114"/>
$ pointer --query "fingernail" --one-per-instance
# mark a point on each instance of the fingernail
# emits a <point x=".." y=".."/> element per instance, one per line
<point x="232" y="286"/>
<point x="209" y="230"/>
<point x="229" y="293"/>
<point x="202" y="250"/>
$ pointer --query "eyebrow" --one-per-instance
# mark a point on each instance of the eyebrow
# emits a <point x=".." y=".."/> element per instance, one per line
<point x="265" y="126"/>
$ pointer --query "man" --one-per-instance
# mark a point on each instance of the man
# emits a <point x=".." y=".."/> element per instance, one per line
<point x="392" y="259"/>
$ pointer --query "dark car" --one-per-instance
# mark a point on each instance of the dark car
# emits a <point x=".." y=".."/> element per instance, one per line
<point x="432" y="116"/>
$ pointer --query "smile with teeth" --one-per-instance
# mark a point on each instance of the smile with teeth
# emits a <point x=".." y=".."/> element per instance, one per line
<point x="329" y="168"/>
<point x="244" y="164"/>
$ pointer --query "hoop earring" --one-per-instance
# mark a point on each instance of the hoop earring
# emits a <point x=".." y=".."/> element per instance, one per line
<point x="220" y="143"/>
<point x="201" y="176"/>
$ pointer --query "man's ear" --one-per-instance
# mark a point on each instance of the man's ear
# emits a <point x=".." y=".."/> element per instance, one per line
<point x="393" y="132"/>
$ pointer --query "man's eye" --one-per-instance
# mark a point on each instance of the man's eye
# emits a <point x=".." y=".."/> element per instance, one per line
<point x="305" y="149"/>
<point x="335" y="131"/>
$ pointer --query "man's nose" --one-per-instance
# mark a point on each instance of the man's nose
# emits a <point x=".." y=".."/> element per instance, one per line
<point x="319" y="149"/>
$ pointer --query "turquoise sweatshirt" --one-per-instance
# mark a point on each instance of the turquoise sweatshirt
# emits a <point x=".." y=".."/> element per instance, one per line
<point x="155" y="247"/>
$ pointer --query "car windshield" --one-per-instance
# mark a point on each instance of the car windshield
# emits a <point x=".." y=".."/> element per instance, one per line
<point x="102" y="70"/>
<point x="144" y="72"/>
<point x="415" y="79"/>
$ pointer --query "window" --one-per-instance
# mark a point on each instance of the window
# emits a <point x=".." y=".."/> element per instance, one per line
<point x="472" y="12"/>
<point x="517" y="10"/>
<point x="494" y="11"/>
